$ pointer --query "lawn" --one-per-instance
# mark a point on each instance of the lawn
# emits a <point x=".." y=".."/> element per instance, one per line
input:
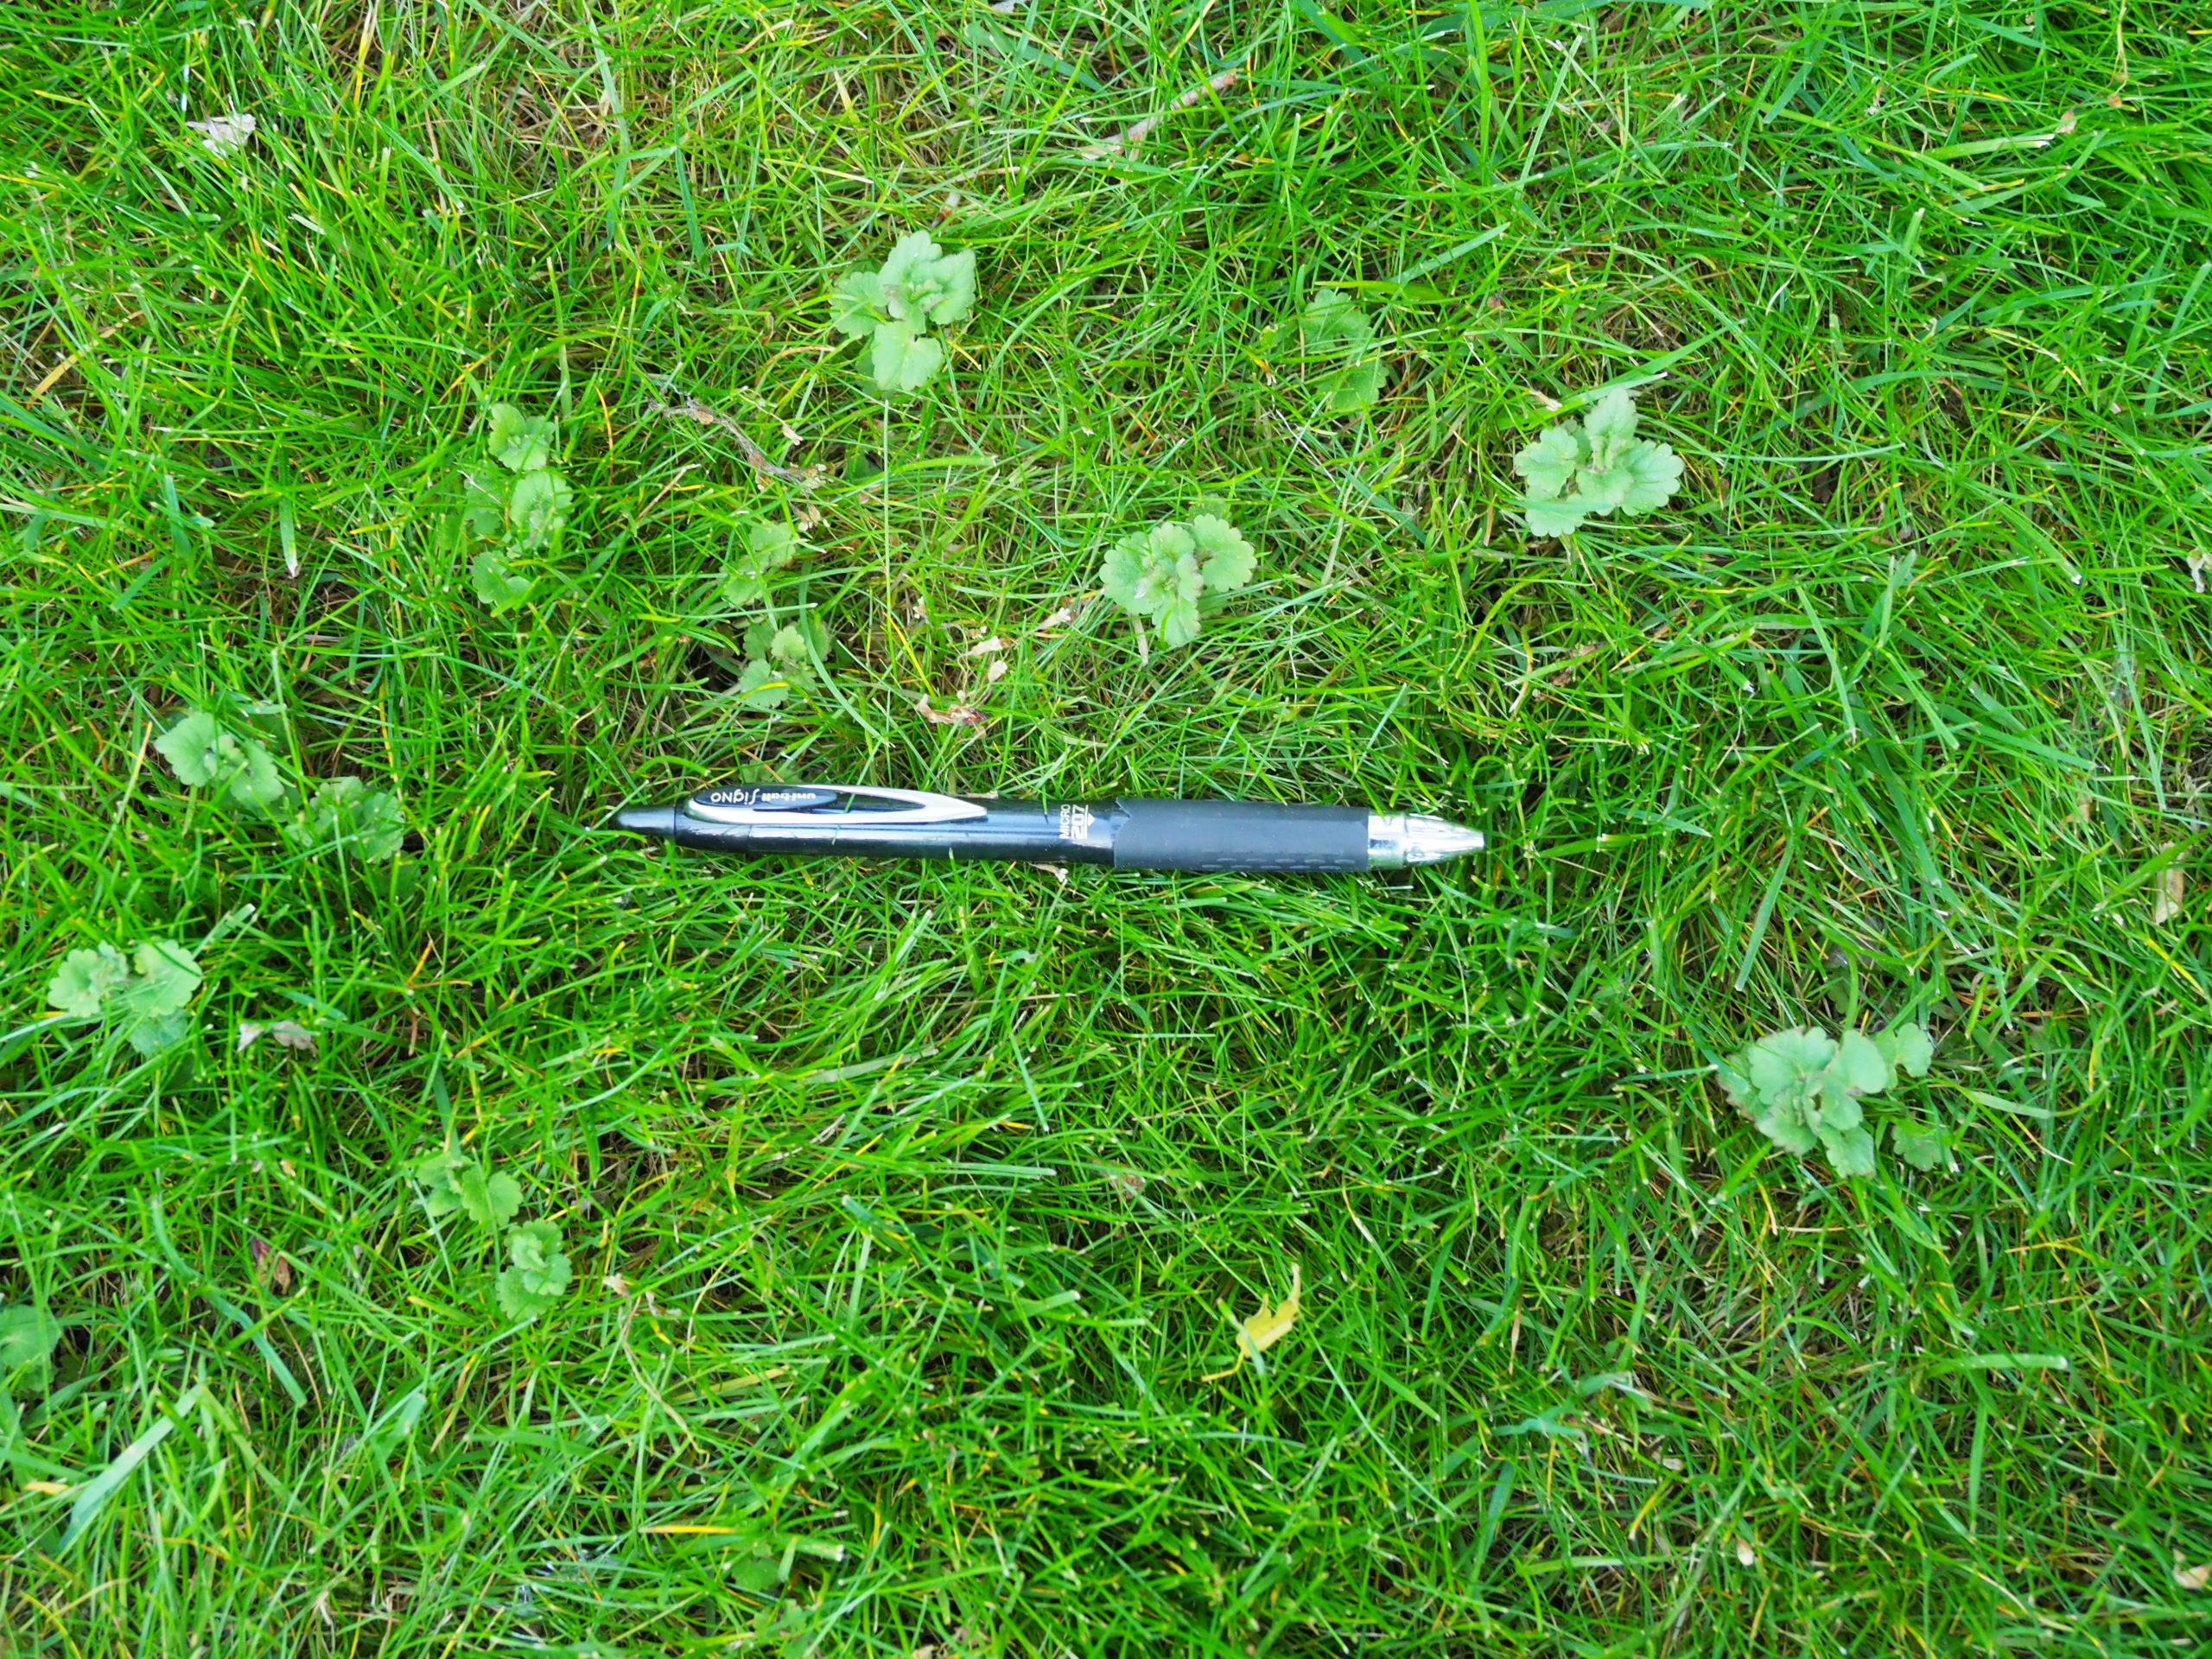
<point x="911" y="1212"/>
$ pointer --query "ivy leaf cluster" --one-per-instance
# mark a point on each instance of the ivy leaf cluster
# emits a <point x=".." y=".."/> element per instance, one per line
<point x="236" y="769"/>
<point x="770" y="544"/>
<point x="1802" y="1089"/>
<point x="920" y="286"/>
<point x="1576" y="470"/>
<point x="780" y="660"/>
<point x="514" y="502"/>
<point x="537" y="1270"/>
<point x="780" y="657"/>
<point x="1175" y="572"/>
<point x="348" y="817"/>
<point x="143" y="995"/>
<point x="28" y="1336"/>
<point x="453" y="1181"/>
<point x="1335" y="333"/>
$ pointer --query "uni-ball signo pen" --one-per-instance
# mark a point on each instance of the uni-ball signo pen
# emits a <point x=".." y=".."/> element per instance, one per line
<point x="1126" y="833"/>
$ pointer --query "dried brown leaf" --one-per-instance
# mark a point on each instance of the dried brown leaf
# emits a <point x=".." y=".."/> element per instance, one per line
<point x="286" y="1034"/>
<point x="2165" y="903"/>
<point x="959" y="714"/>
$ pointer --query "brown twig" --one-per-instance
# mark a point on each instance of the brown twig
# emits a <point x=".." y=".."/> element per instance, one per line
<point x="1137" y="132"/>
<point x="804" y="478"/>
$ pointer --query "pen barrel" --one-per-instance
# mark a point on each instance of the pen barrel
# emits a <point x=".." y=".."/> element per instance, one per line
<point x="1128" y="834"/>
<point x="1007" y="831"/>
<point x="1255" y="835"/>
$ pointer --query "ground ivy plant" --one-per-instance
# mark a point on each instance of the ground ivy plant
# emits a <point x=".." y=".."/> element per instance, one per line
<point x="1336" y="338"/>
<point x="779" y="657"/>
<point x="1577" y="470"/>
<point x="455" y="1182"/>
<point x="1804" y="1089"/>
<point x="28" y="1336"/>
<point x="779" y="661"/>
<point x="236" y="769"/>
<point x="770" y="544"/>
<point x="537" y="1271"/>
<point x="512" y="502"/>
<point x="920" y="286"/>
<point x="143" y="995"/>
<point x="347" y="816"/>
<point x="1176" y="573"/>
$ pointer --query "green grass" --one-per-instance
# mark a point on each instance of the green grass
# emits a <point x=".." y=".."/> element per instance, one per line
<point x="913" y="1208"/>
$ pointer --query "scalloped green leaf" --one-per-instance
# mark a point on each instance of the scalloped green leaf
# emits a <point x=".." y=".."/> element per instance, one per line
<point x="924" y="285"/>
<point x="86" y="979"/>
<point x="856" y="303"/>
<point x="537" y="1273"/>
<point x="1550" y="463"/>
<point x="1575" y="473"/>
<point x="1334" y="331"/>
<point x="763" y="687"/>
<point x="1173" y="573"/>
<point x="28" y="1336"/>
<point x="496" y="583"/>
<point x="520" y="442"/>
<point x="1608" y="428"/>
<point x="1226" y="559"/>
<point x="191" y="747"/>
<point x="239" y="771"/>
<point x="901" y="360"/>
<point x="350" y="818"/>
<point x="1922" y="1146"/>
<point x="1907" y="1046"/>
<point x="537" y="507"/>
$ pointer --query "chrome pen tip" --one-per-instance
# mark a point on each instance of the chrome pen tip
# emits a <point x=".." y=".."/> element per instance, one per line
<point x="1399" y="839"/>
<point x="655" y="821"/>
<point x="1431" y="840"/>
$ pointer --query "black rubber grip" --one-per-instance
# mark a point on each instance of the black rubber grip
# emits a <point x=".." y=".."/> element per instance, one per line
<point x="1240" y="836"/>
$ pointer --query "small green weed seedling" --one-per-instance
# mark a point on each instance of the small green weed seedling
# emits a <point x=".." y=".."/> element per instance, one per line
<point x="780" y="661"/>
<point x="454" y="1182"/>
<point x="143" y="994"/>
<point x="512" y="501"/>
<point x="770" y="544"/>
<point x="1175" y="572"/>
<point x="1335" y="336"/>
<point x="237" y="770"/>
<point x="1802" y="1089"/>
<point x="350" y="818"/>
<point x="919" y="285"/>
<point x="344" y="815"/>
<point x="537" y="1271"/>
<point x="1577" y="470"/>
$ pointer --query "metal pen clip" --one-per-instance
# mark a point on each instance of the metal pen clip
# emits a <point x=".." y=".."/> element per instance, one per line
<point x="791" y="806"/>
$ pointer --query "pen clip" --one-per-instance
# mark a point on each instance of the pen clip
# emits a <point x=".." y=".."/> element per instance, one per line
<point x="800" y="805"/>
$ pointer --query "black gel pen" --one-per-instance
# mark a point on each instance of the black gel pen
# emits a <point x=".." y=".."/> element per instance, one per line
<point x="1125" y="833"/>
